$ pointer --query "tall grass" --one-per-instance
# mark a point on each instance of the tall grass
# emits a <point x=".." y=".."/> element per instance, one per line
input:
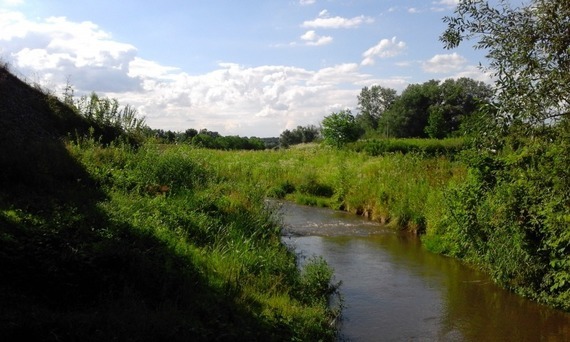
<point x="170" y="249"/>
<point x="403" y="190"/>
<point x="426" y="147"/>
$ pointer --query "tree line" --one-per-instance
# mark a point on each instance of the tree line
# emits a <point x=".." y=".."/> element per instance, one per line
<point x="432" y="109"/>
<point x="209" y="139"/>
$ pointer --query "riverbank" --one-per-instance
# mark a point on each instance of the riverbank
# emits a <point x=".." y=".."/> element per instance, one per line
<point x="489" y="210"/>
<point x="104" y="238"/>
<point x="403" y="191"/>
<point x="389" y="280"/>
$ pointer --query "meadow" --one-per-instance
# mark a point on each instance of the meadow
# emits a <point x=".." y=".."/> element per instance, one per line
<point x="152" y="243"/>
<point x="404" y="191"/>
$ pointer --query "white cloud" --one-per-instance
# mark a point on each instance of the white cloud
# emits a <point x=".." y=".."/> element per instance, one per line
<point x="235" y="99"/>
<point x="312" y="38"/>
<point x="450" y="3"/>
<point x="326" y="21"/>
<point x="473" y="72"/>
<point x="384" y="49"/>
<point x="57" y="48"/>
<point x="258" y="100"/>
<point x="444" y="63"/>
<point x="413" y="10"/>
<point x="444" y="5"/>
<point x="232" y="99"/>
<point x="306" y="2"/>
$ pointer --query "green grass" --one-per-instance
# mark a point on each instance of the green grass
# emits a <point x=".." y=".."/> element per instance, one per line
<point x="426" y="147"/>
<point x="403" y="190"/>
<point x="108" y="256"/>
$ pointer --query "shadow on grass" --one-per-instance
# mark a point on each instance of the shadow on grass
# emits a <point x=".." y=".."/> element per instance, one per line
<point x="68" y="272"/>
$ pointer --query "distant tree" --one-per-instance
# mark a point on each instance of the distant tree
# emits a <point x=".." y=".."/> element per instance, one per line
<point x="204" y="140"/>
<point x="458" y="100"/>
<point x="434" y="109"/>
<point x="408" y="116"/>
<point x="190" y="133"/>
<point x="340" y="128"/>
<point x="286" y="138"/>
<point x="372" y="103"/>
<point x="309" y="133"/>
<point x="298" y="135"/>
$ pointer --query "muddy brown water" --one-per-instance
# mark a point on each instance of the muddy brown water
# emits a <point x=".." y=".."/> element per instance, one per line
<point x="395" y="290"/>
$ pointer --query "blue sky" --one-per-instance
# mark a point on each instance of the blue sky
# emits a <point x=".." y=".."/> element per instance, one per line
<point x="249" y="68"/>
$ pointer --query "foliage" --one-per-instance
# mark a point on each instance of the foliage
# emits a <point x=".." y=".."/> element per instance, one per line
<point x="372" y="103"/>
<point x="315" y="281"/>
<point x="299" y="135"/>
<point x="208" y="139"/>
<point x="511" y="216"/>
<point x="427" y="147"/>
<point x="105" y="241"/>
<point x="105" y="113"/>
<point x="528" y="54"/>
<point x="434" y="109"/>
<point x="409" y="114"/>
<point x="340" y="128"/>
<point x="403" y="190"/>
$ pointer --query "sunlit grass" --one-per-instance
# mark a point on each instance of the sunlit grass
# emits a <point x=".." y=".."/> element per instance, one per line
<point x="395" y="188"/>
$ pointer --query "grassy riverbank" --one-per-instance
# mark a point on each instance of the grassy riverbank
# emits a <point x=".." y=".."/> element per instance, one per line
<point x="150" y="244"/>
<point x="504" y="213"/>
<point x="119" y="241"/>
<point x="402" y="190"/>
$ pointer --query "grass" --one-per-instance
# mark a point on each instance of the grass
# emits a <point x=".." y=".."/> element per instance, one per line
<point x="427" y="147"/>
<point x="402" y="190"/>
<point x="101" y="241"/>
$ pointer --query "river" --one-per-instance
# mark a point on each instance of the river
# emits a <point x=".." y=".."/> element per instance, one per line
<point x="395" y="290"/>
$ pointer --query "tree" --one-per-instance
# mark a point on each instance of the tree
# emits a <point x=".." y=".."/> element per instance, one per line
<point x="433" y="108"/>
<point x="528" y="54"/>
<point x="511" y="214"/>
<point x="340" y="128"/>
<point x="458" y="100"/>
<point x="299" y="135"/>
<point x="190" y="133"/>
<point x="408" y="116"/>
<point x="372" y="103"/>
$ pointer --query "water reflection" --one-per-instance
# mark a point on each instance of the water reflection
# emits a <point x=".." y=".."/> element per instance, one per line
<point x="395" y="290"/>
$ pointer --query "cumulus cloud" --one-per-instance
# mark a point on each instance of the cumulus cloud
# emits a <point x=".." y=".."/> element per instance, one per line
<point x="444" y="63"/>
<point x="231" y="99"/>
<point x="56" y="48"/>
<point x="384" y="49"/>
<point x="306" y="2"/>
<point x="312" y="38"/>
<point x="324" y="20"/>
<point x="234" y="99"/>
<point x="473" y="72"/>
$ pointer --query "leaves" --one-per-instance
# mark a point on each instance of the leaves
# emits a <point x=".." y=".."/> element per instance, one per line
<point x="340" y="128"/>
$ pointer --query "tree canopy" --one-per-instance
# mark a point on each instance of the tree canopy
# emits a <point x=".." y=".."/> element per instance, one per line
<point x="511" y="215"/>
<point x="373" y="102"/>
<point x="528" y="52"/>
<point x="340" y="128"/>
<point x="433" y="109"/>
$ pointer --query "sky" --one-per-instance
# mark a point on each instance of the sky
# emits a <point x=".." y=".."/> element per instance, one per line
<point x="247" y="68"/>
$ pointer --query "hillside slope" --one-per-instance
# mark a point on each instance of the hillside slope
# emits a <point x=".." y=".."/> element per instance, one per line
<point x="89" y="252"/>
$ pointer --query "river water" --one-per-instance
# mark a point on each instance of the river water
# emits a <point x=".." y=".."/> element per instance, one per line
<point x="395" y="290"/>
